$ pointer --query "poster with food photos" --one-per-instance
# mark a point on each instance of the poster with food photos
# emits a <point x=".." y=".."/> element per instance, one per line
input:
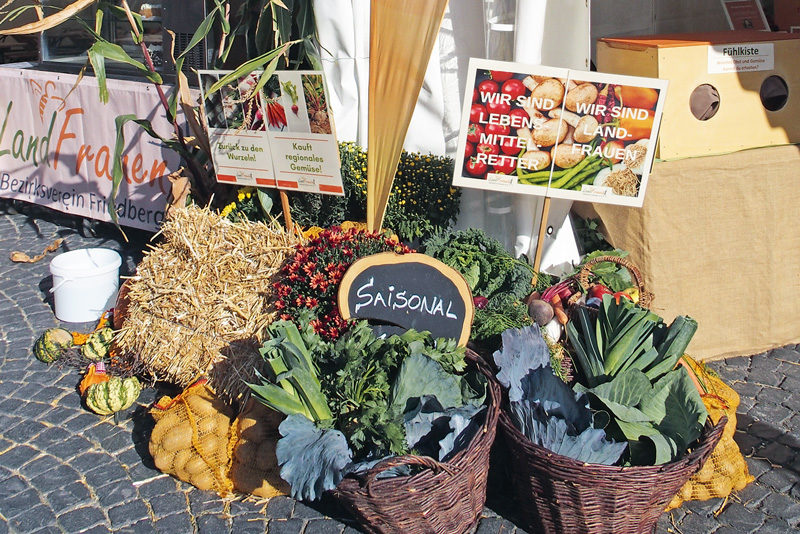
<point x="273" y="134"/>
<point x="560" y="133"/>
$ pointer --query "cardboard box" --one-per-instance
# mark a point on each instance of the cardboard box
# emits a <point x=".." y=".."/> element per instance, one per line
<point x="786" y="14"/>
<point x="733" y="64"/>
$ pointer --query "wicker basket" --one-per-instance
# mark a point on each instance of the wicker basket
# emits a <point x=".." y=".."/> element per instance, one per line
<point x="443" y="498"/>
<point x="556" y="494"/>
<point x="645" y="297"/>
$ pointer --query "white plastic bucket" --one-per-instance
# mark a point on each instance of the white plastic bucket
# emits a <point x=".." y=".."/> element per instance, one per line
<point x="85" y="283"/>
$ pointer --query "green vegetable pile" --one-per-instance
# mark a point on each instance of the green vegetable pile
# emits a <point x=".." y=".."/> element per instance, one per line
<point x="360" y="399"/>
<point x="627" y="390"/>
<point x="498" y="281"/>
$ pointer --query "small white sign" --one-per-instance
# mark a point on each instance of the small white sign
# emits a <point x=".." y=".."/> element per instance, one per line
<point x="740" y="57"/>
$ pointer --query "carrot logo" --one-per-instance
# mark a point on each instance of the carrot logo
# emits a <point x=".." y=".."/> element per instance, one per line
<point x="44" y="96"/>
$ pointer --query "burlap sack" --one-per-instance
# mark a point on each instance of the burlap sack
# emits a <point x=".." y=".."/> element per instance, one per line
<point x="193" y="437"/>
<point x="254" y="468"/>
<point x="726" y="469"/>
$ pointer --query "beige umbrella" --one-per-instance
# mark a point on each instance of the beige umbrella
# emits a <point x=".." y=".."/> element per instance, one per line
<point x="402" y="35"/>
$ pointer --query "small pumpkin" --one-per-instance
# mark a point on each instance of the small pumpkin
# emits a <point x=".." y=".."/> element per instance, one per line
<point x="52" y="343"/>
<point x="113" y="395"/>
<point x="95" y="374"/>
<point x="98" y="344"/>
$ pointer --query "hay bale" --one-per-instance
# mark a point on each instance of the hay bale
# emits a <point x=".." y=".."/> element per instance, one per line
<point x="200" y="301"/>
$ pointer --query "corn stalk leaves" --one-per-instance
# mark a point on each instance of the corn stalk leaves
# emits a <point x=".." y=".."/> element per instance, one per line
<point x="106" y="50"/>
<point x="51" y="20"/>
<point x="246" y="68"/>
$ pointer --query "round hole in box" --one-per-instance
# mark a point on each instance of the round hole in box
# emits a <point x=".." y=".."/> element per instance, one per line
<point x="704" y="102"/>
<point x="774" y="93"/>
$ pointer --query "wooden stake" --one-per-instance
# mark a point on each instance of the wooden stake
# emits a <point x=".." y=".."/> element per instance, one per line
<point x="287" y="215"/>
<point x="537" y="259"/>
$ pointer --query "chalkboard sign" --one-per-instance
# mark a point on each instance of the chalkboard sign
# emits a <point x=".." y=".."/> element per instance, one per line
<point x="408" y="290"/>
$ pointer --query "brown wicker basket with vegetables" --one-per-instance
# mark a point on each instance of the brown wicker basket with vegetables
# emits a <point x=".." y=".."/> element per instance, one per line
<point x="557" y="494"/>
<point x="441" y="498"/>
<point x="584" y="277"/>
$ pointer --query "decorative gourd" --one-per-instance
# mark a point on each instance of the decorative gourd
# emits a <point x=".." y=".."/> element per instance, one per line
<point x="51" y="344"/>
<point x="95" y="374"/>
<point x="98" y="344"/>
<point x="113" y="395"/>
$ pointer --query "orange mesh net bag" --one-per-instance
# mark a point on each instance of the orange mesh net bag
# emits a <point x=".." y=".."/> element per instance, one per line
<point x="726" y="470"/>
<point x="254" y="468"/>
<point x="193" y="437"/>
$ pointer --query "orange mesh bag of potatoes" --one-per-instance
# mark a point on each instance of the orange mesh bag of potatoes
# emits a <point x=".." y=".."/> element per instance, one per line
<point x="726" y="469"/>
<point x="254" y="467"/>
<point x="193" y="437"/>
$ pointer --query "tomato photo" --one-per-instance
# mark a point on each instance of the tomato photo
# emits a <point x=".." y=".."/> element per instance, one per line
<point x="501" y="108"/>
<point x="511" y="146"/>
<point x="488" y="87"/>
<point x="513" y="88"/>
<point x="488" y="148"/>
<point x="474" y="95"/>
<point x="497" y="129"/>
<point x="501" y="76"/>
<point x="477" y="113"/>
<point x="469" y="150"/>
<point x="505" y="165"/>
<point x="475" y="167"/>
<point x="474" y="133"/>
<point x="520" y="118"/>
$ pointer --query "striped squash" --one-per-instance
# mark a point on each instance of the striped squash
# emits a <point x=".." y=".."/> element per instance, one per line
<point x="51" y="344"/>
<point x="113" y="396"/>
<point x="98" y="344"/>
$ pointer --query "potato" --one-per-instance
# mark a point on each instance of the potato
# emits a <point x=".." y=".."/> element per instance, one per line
<point x="534" y="160"/>
<point x="195" y="465"/>
<point x="585" y="93"/>
<point x="181" y="458"/>
<point x="203" y="481"/>
<point x="177" y="438"/>
<point x="550" y="89"/>
<point x="549" y="134"/>
<point x="566" y="156"/>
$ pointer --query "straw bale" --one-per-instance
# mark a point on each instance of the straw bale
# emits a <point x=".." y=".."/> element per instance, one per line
<point x="200" y="300"/>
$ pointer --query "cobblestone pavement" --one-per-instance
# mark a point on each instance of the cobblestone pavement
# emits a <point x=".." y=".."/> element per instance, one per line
<point x="63" y="469"/>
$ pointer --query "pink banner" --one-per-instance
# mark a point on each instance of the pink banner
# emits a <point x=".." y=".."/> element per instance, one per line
<point x="57" y="146"/>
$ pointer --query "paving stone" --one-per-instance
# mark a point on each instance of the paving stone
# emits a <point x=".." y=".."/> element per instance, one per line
<point x="778" y="479"/>
<point x="303" y="511"/>
<point x="127" y="514"/>
<point x="20" y="503"/>
<point x="116" y="493"/>
<point x="53" y="478"/>
<point x="205" y="502"/>
<point x="778" y="454"/>
<point x="253" y="524"/>
<point x="79" y="422"/>
<point x="285" y="526"/>
<point x="32" y="410"/>
<point x="168" y="504"/>
<point x="24" y="433"/>
<point x="90" y="460"/>
<point x="11" y="486"/>
<point x="142" y="527"/>
<point x="82" y="518"/>
<point x="162" y="485"/>
<point x="698" y="522"/>
<point x="104" y="474"/>
<point x="212" y="523"/>
<point x="172" y="524"/>
<point x="280" y="507"/>
<point x="747" y="443"/>
<point x="741" y="518"/>
<point x="494" y="525"/>
<point x="771" y="413"/>
<point x="782" y="507"/>
<point x="70" y="447"/>
<point x="776" y="526"/>
<point x="68" y="496"/>
<point x="99" y="529"/>
<point x="34" y="518"/>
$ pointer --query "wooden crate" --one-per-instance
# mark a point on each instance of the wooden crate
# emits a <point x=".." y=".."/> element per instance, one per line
<point x="741" y="120"/>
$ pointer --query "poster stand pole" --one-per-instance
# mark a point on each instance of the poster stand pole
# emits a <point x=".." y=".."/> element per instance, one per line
<point x="537" y="258"/>
<point x="287" y="215"/>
